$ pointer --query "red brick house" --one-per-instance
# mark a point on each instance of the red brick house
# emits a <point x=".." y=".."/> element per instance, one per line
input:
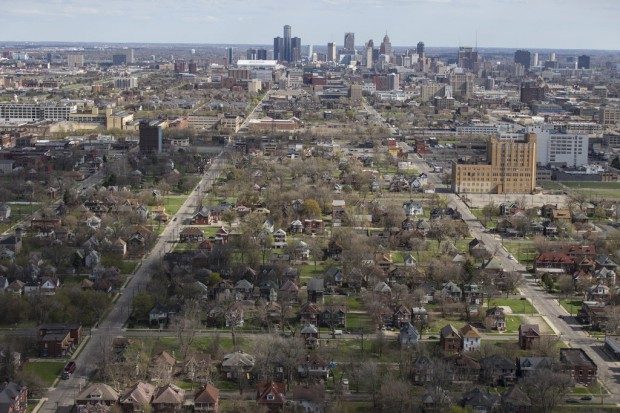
<point x="57" y="340"/>
<point x="271" y="395"/>
<point x="529" y="336"/>
<point x="13" y="398"/>
<point x="580" y="366"/>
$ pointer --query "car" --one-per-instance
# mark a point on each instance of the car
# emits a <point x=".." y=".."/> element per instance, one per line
<point x="572" y="401"/>
<point x="586" y="398"/>
<point x="68" y="370"/>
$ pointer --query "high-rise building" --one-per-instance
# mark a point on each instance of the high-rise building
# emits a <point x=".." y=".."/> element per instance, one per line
<point x="119" y="59"/>
<point x="295" y="49"/>
<point x="370" y="46"/>
<point x="386" y="46"/>
<point x="609" y="115"/>
<point x="511" y="168"/>
<point x="523" y="57"/>
<point x="229" y="56"/>
<point x="278" y="48"/>
<point x="331" y="52"/>
<point x="180" y="66"/>
<point x="261" y="54"/>
<point x="151" y="137"/>
<point x="355" y="92"/>
<point x="420" y="49"/>
<point x="193" y="67"/>
<point x="552" y="57"/>
<point x="462" y="85"/>
<point x="124" y="83"/>
<point x="75" y="60"/>
<point x="531" y="92"/>
<point x="535" y="59"/>
<point x="583" y="62"/>
<point x="555" y="148"/>
<point x="287" y="43"/>
<point x="468" y="59"/>
<point x="130" y="56"/>
<point x="251" y="54"/>
<point x="349" y="42"/>
<point x="393" y="81"/>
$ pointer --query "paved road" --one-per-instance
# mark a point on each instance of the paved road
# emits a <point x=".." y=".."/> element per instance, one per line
<point x="547" y="305"/>
<point x="62" y="396"/>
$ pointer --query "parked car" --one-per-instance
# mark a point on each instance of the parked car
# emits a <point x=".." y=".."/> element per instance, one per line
<point x="68" y="370"/>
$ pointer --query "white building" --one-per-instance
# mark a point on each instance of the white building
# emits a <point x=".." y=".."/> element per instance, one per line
<point x="126" y="83"/>
<point x="559" y="148"/>
<point x="32" y="112"/>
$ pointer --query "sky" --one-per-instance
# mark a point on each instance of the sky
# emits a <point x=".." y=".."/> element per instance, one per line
<point x="561" y="24"/>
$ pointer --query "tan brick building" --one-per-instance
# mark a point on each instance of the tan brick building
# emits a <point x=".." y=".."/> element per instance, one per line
<point x="511" y="168"/>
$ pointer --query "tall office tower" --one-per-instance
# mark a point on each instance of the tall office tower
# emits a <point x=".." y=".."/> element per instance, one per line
<point x="180" y="66"/>
<point x="510" y="168"/>
<point x="75" y="61"/>
<point x="193" y="67"/>
<point x="119" y="59"/>
<point x="523" y="57"/>
<point x="468" y="59"/>
<point x="386" y="46"/>
<point x="331" y="52"/>
<point x="261" y="54"/>
<point x="251" y="54"/>
<point x="278" y="48"/>
<point x="535" y="59"/>
<point x="50" y="57"/>
<point x="151" y="137"/>
<point x="370" y="46"/>
<point x="583" y="62"/>
<point x="287" y="43"/>
<point x="393" y="81"/>
<point x="420" y="49"/>
<point x="130" y="56"/>
<point x="531" y="92"/>
<point x="552" y="57"/>
<point x="229" y="56"/>
<point x="295" y="49"/>
<point x="310" y="51"/>
<point x="349" y="42"/>
<point x="462" y="85"/>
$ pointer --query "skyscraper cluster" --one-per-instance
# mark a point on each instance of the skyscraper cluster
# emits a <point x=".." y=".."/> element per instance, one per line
<point x="287" y="48"/>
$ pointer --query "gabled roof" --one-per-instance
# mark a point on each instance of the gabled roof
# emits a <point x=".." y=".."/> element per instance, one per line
<point x="207" y="394"/>
<point x="529" y="329"/>
<point x="514" y="396"/>
<point x="449" y="330"/>
<point x="469" y="331"/>
<point x="98" y="392"/>
<point x="140" y="393"/>
<point x="169" y="394"/>
<point x="238" y="358"/>
<point x="271" y="393"/>
<point x="164" y="358"/>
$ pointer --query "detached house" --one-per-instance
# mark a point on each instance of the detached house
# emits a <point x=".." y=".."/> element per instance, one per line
<point x="191" y="234"/>
<point x="495" y="319"/>
<point x="529" y="336"/>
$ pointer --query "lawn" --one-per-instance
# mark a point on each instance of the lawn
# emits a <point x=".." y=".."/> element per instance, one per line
<point x="512" y="323"/>
<point x="572" y="306"/>
<point x="596" y="189"/>
<point x="357" y="322"/>
<point x="47" y="371"/>
<point x="310" y="270"/>
<point x="437" y="323"/>
<point x="517" y="305"/>
<point x="173" y="203"/>
<point x="522" y="250"/>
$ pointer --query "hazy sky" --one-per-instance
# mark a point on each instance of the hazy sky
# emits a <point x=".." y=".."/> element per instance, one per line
<point x="589" y="24"/>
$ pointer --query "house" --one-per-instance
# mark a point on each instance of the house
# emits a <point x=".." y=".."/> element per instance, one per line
<point x="309" y="313"/>
<point x="497" y="370"/>
<point x="436" y="400"/>
<point x="452" y="291"/>
<point x="168" y="399"/>
<point x="316" y="290"/>
<point x="599" y="293"/>
<point x="478" y="249"/>
<point x="310" y="397"/>
<point x="450" y="339"/>
<point x="333" y="276"/>
<point x="480" y="401"/>
<point x="528" y="365"/>
<point x="338" y="212"/>
<point x="207" y="399"/>
<point x="92" y="259"/>
<point x="553" y="261"/>
<point x="16" y="287"/>
<point x="271" y="395"/>
<point x="310" y="334"/>
<point x="561" y="215"/>
<point x="471" y="338"/>
<point x="4" y="284"/>
<point x="419" y="316"/>
<point x="11" y="242"/>
<point x="408" y="335"/>
<point x="495" y="319"/>
<point x="529" y="336"/>
<point x="296" y="227"/>
<point x="5" y="211"/>
<point x="612" y="345"/>
<point x="137" y="398"/>
<point x="593" y="313"/>
<point x="333" y="316"/>
<point x="234" y="315"/>
<point x="58" y="340"/>
<point x="13" y="398"/>
<point x="515" y="400"/>
<point x="159" y="314"/>
<point x="289" y="292"/>
<point x="279" y="238"/>
<point x="93" y="222"/>
<point x="243" y="289"/>
<point x="382" y="288"/>
<point x="191" y="234"/>
<point x="422" y="370"/>
<point x="580" y="366"/>
<point x="313" y="366"/>
<point x="237" y="364"/>
<point x="163" y="365"/>
<point x="464" y="367"/>
<point x="314" y="226"/>
<point x="401" y="316"/>
<point x="97" y="394"/>
<point x="413" y="208"/>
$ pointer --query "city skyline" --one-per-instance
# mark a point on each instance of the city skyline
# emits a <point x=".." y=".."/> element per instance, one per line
<point x="440" y="23"/>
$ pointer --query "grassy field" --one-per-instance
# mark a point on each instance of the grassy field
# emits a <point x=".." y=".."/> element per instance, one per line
<point x="173" y="203"/>
<point x="572" y="306"/>
<point x="522" y="250"/>
<point x="512" y="323"/>
<point x="610" y="190"/>
<point x="18" y="212"/>
<point x="47" y="371"/>
<point x="517" y="305"/>
<point x="310" y="270"/>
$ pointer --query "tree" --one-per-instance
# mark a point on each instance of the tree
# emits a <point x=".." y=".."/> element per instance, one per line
<point x="546" y="388"/>
<point x="142" y="304"/>
<point x="311" y="208"/>
<point x="394" y="395"/>
<point x="511" y="281"/>
<point x="185" y="326"/>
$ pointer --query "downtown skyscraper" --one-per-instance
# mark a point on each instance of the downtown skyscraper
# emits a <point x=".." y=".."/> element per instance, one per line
<point x="287" y="48"/>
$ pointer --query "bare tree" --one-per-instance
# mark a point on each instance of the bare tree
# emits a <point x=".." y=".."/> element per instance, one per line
<point x="546" y="388"/>
<point x="185" y="326"/>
